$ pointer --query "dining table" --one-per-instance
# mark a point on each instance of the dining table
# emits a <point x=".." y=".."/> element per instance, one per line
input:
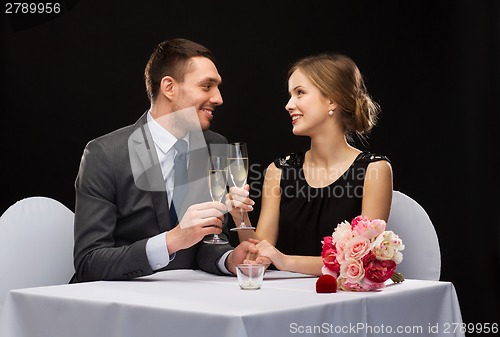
<point x="193" y="303"/>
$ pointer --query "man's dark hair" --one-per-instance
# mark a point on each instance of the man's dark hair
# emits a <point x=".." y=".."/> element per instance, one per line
<point x="171" y="58"/>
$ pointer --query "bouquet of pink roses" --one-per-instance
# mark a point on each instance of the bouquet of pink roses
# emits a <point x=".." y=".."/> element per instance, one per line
<point x="362" y="255"/>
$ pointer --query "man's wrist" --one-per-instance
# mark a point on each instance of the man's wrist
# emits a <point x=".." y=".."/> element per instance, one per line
<point x="171" y="244"/>
<point x="224" y="264"/>
<point x="157" y="252"/>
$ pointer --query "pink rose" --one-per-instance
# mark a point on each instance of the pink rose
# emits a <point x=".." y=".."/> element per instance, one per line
<point x="356" y="247"/>
<point x="368" y="229"/>
<point x="327" y="271"/>
<point x="352" y="270"/>
<point x="344" y="284"/>
<point x="327" y="242"/>
<point x="329" y="255"/>
<point x="376" y="270"/>
<point x="357" y="220"/>
<point x="371" y="286"/>
<point x="341" y="246"/>
<point x="363" y="285"/>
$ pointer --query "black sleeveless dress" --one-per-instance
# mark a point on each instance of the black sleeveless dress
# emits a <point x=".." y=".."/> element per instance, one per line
<point x="308" y="214"/>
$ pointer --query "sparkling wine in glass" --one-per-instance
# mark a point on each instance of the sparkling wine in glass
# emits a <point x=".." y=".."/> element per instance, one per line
<point x="217" y="181"/>
<point x="238" y="170"/>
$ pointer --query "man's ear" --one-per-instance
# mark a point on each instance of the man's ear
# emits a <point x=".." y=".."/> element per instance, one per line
<point x="167" y="87"/>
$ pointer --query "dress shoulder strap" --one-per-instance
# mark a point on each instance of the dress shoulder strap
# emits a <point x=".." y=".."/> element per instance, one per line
<point x="368" y="157"/>
<point x="292" y="160"/>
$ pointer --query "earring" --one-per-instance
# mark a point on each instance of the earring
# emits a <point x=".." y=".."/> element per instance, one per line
<point x="330" y="112"/>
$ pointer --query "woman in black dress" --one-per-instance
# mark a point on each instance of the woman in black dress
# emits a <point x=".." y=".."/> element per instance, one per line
<point x="305" y="195"/>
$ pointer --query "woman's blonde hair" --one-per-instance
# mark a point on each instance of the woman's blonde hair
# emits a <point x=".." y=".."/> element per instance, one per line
<point x="338" y="78"/>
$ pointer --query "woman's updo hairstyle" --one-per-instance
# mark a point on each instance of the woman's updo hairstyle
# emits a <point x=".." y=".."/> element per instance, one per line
<point x="338" y="78"/>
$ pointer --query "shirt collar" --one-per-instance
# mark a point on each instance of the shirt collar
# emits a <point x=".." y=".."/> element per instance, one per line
<point x="161" y="137"/>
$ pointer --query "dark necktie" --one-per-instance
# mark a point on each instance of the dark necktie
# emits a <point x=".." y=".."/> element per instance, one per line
<point x="180" y="180"/>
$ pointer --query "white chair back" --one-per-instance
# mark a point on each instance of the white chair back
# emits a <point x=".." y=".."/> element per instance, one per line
<point x="421" y="256"/>
<point x="36" y="244"/>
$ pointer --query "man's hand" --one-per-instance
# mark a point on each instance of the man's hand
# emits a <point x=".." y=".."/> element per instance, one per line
<point x="239" y="255"/>
<point x="198" y="221"/>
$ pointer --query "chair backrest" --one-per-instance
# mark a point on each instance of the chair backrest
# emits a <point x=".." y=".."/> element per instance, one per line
<point x="421" y="256"/>
<point x="36" y="244"/>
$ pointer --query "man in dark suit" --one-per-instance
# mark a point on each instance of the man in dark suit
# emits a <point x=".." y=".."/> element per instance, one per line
<point x="124" y="227"/>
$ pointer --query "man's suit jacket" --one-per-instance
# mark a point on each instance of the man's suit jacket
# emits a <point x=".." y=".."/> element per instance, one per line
<point x="121" y="202"/>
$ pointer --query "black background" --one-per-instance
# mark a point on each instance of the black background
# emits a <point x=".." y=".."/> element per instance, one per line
<point x="434" y="67"/>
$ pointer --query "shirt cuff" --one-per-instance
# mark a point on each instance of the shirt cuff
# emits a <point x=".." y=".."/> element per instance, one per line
<point x="222" y="263"/>
<point x="157" y="251"/>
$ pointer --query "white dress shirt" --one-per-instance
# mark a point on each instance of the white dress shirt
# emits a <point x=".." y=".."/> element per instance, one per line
<point x="156" y="247"/>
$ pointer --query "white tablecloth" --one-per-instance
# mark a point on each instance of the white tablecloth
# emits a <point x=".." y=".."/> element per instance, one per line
<point x="188" y="303"/>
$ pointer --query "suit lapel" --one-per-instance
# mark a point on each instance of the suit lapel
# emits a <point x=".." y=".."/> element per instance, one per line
<point x="147" y="171"/>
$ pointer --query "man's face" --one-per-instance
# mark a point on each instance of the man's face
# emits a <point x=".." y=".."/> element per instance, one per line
<point x="200" y="90"/>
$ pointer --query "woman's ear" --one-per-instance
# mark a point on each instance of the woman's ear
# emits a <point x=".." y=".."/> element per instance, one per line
<point x="333" y="105"/>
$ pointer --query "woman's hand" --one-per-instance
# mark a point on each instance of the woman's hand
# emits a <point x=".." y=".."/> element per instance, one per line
<point x="238" y="200"/>
<point x="267" y="253"/>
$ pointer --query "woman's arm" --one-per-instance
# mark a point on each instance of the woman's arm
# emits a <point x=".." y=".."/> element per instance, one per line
<point x="377" y="191"/>
<point x="268" y="225"/>
<point x="310" y="265"/>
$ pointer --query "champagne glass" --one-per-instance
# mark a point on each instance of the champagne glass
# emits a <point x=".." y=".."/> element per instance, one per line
<point x="238" y="170"/>
<point x="217" y="181"/>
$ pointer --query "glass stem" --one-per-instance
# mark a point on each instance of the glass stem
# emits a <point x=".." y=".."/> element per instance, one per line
<point x="242" y="219"/>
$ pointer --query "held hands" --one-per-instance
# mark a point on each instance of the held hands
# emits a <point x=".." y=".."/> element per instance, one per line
<point x="239" y="199"/>
<point x="267" y="254"/>
<point x="246" y="252"/>
<point x="239" y="255"/>
<point x="256" y="252"/>
<point x="198" y="221"/>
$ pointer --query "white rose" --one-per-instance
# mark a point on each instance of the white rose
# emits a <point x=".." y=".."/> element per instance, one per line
<point x="342" y="232"/>
<point x="388" y="246"/>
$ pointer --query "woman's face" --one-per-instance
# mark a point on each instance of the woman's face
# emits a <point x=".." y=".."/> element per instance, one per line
<point x="307" y="107"/>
